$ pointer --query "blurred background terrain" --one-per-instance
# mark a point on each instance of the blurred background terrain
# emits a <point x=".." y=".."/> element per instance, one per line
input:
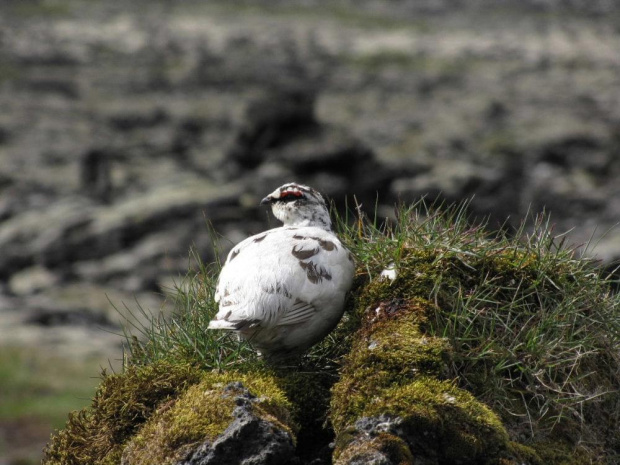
<point x="126" y="126"/>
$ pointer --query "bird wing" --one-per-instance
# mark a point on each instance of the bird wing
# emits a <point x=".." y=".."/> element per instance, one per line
<point x="274" y="278"/>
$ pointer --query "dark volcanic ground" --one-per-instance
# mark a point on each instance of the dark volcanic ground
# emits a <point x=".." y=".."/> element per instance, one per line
<point x="125" y="127"/>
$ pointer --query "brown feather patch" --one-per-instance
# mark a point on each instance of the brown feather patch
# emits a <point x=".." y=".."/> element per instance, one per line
<point x="314" y="273"/>
<point x="327" y="245"/>
<point x="304" y="254"/>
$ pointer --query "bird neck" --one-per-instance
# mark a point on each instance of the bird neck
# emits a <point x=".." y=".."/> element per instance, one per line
<point x="318" y="222"/>
<point x="302" y="217"/>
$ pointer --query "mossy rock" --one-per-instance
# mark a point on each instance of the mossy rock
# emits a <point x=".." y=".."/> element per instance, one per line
<point x="122" y="403"/>
<point x="393" y="372"/>
<point x="204" y="412"/>
<point x="157" y="413"/>
<point x="398" y="369"/>
<point x="383" y="448"/>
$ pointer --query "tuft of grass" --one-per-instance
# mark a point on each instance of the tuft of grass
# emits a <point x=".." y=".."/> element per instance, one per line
<point x="184" y="336"/>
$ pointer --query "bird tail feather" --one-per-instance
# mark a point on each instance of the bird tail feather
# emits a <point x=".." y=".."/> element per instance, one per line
<point x="222" y="324"/>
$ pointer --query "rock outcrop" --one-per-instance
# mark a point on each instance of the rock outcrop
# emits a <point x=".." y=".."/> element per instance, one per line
<point x="428" y="366"/>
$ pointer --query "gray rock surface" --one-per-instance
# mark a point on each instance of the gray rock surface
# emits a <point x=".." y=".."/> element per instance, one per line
<point x="249" y="440"/>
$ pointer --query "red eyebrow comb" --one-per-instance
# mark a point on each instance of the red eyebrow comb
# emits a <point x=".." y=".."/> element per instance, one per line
<point x="295" y="193"/>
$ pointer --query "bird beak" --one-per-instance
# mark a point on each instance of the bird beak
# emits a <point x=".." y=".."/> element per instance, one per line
<point x="266" y="200"/>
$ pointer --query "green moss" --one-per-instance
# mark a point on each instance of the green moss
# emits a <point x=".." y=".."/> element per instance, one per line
<point x="437" y="415"/>
<point x="392" y="341"/>
<point x="388" y="350"/>
<point x="393" y="448"/>
<point x="520" y="453"/>
<point x="309" y="391"/>
<point x="463" y="427"/>
<point x="558" y="452"/>
<point x="202" y="413"/>
<point x="417" y="276"/>
<point x="394" y="369"/>
<point x="121" y="404"/>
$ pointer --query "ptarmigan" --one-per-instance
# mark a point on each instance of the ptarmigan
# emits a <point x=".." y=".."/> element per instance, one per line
<point x="284" y="289"/>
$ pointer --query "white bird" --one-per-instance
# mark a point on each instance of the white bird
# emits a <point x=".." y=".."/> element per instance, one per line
<point x="284" y="289"/>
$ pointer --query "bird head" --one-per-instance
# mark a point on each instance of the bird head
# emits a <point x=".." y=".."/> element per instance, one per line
<point x="298" y="205"/>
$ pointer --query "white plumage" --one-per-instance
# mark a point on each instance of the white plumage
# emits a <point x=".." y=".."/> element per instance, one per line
<point x="284" y="289"/>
